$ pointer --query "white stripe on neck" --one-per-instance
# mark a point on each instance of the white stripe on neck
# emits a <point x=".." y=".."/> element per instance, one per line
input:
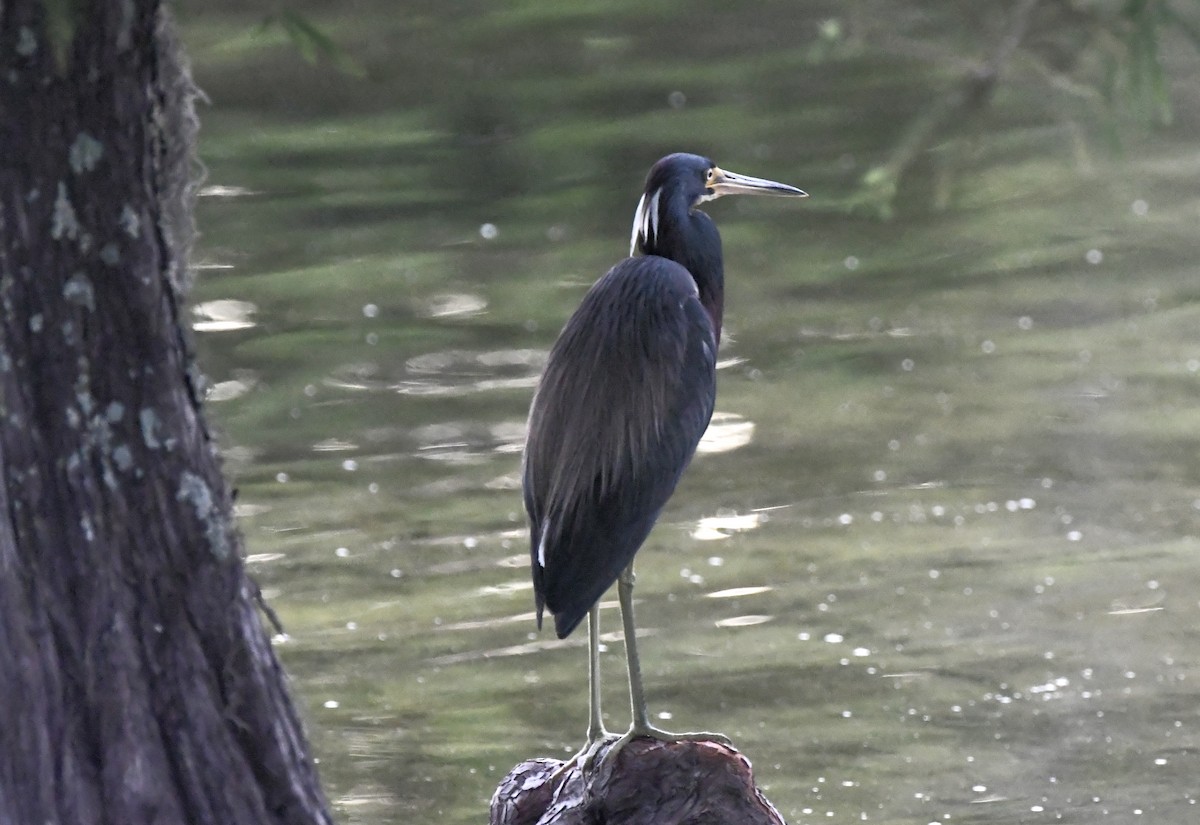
<point x="645" y="222"/>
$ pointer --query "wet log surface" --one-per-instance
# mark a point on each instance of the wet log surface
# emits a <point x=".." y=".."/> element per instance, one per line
<point x="679" y="783"/>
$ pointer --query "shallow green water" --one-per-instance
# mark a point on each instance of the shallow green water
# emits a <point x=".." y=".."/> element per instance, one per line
<point x="937" y="560"/>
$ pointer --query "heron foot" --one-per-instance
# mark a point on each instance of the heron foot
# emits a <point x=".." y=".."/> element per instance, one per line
<point x="647" y="731"/>
<point x="586" y="756"/>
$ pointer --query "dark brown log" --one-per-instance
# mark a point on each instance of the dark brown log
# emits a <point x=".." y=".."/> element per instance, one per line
<point x="649" y="783"/>
<point x="137" y="682"/>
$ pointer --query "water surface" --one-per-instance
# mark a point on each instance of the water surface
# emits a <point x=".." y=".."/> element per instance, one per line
<point x="936" y="558"/>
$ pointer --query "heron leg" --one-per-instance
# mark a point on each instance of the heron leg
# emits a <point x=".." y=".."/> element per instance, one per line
<point x="637" y="695"/>
<point x="641" y="726"/>
<point x="597" y="736"/>
<point x="596" y="731"/>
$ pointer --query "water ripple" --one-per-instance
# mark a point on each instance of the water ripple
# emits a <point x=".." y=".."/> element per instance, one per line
<point x="229" y="390"/>
<point x="223" y="315"/>
<point x="738" y="592"/>
<point x="454" y="305"/>
<point x="726" y="432"/>
<point x="461" y="372"/>
<point x="714" y="528"/>
<point x="748" y="620"/>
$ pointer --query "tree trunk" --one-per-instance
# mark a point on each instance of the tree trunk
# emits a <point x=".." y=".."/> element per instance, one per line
<point x="137" y="682"/>
<point x="649" y="783"/>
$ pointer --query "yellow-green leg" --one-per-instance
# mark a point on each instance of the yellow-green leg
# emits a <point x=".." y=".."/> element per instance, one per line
<point x="641" y="726"/>
<point x="595" y="731"/>
<point x="597" y="736"/>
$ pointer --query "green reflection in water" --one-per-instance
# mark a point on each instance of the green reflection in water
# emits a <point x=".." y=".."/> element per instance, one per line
<point x="973" y="462"/>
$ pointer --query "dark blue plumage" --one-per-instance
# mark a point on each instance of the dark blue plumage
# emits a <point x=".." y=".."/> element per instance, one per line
<point x="621" y="407"/>
<point x="627" y="392"/>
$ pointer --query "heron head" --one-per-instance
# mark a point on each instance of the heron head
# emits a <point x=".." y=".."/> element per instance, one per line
<point x="683" y="181"/>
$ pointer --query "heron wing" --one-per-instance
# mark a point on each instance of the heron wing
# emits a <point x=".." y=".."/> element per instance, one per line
<point x="626" y="395"/>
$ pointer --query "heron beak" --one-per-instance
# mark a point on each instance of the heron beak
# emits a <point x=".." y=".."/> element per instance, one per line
<point x="731" y="183"/>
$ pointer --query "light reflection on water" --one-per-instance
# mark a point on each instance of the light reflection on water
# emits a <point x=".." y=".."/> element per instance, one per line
<point x="223" y="315"/>
<point x="450" y="306"/>
<point x="333" y="445"/>
<point x="229" y="390"/>
<point x="726" y="432"/>
<point x="955" y="506"/>
<point x="748" y="620"/>
<point x="715" y="528"/>
<point x="455" y="372"/>
<point x="739" y="592"/>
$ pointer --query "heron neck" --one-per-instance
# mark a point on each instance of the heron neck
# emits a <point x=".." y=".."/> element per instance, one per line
<point x="709" y="275"/>
<point x="697" y="247"/>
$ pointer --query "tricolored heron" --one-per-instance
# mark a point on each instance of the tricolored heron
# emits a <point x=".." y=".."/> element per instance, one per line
<point x="626" y="394"/>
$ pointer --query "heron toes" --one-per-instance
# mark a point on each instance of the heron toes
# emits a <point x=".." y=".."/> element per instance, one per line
<point x="586" y="756"/>
<point x="651" y="732"/>
<point x="607" y="758"/>
<point x="594" y="748"/>
<point x="648" y="730"/>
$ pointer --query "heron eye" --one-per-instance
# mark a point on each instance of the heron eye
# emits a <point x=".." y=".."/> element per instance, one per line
<point x="711" y="176"/>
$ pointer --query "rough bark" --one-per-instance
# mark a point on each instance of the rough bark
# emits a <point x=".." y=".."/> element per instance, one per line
<point x="650" y="783"/>
<point x="137" y="683"/>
